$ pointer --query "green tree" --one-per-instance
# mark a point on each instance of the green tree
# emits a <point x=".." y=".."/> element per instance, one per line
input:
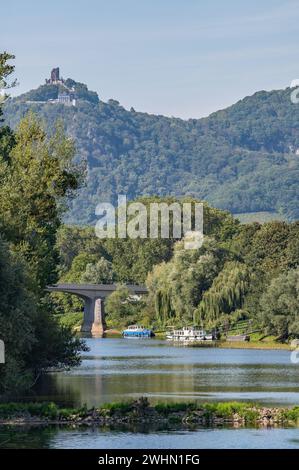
<point x="17" y="320"/>
<point x="279" y="306"/>
<point x="122" y="308"/>
<point x="176" y="287"/>
<point x="227" y="292"/>
<point x="100" y="272"/>
<point x="73" y="240"/>
<point x="268" y="247"/>
<point x="33" y="184"/>
<point x="67" y="303"/>
<point x="133" y="259"/>
<point x="7" y="140"/>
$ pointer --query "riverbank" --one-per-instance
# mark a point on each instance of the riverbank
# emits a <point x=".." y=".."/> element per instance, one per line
<point x="254" y="345"/>
<point x="235" y="345"/>
<point x="141" y="411"/>
<point x="257" y="341"/>
<point x="217" y="343"/>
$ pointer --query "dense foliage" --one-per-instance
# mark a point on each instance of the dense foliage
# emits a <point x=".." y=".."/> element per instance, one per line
<point x="251" y="274"/>
<point x="36" y="175"/>
<point x="84" y="257"/>
<point x="242" y="159"/>
<point x="279" y="312"/>
<point x="241" y="272"/>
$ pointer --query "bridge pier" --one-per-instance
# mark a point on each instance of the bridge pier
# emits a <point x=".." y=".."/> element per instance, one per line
<point x="94" y="317"/>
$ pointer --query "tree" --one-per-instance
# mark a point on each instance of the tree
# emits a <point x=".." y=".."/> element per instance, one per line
<point x="176" y="287"/>
<point x="268" y="247"/>
<point x="17" y="316"/>
<point x="73" y="240"/>
<point x="38" y="175"/>
<point x="226" y="294"/>
<point x="78" y="267"/>
<point x="122" y="308"/>
<point x="133" y="259"/>
<point x="7" y="139"/>
<point x="100" y="272"/>
<point x="279" y="306"/>
<point x="6" y="69"/>
<point x="67" y="303"/>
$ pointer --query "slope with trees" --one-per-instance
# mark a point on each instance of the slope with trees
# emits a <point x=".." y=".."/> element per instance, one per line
<point x="243" y="158"/>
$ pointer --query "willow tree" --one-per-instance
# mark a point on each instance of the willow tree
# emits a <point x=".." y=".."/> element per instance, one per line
<point x="176" y="287"/>
<point x="159" y="297"/>
<point x="163" y="306"/>
<point x="226" y="293"/>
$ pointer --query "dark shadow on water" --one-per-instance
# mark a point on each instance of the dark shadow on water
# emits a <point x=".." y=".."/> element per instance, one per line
<point x="72" y="436"/>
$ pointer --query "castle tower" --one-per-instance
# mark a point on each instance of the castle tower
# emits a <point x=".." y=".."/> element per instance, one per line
<point x="55" y="75"/>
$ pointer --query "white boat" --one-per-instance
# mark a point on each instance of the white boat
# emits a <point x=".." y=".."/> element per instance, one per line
<point x="189" y="333"/>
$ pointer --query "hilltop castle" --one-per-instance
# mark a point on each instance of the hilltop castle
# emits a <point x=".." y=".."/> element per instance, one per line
<point x="68" y="96"/>
<point x="55" y="78"/>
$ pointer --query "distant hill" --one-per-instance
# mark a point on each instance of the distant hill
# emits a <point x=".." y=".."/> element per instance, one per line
<point x="244" y="158"/>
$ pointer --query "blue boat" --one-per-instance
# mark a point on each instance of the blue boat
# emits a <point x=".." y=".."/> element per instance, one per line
<point x="136" y="331"/>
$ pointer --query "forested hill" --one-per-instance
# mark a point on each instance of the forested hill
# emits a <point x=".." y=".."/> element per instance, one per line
<point x="244" y="158"/>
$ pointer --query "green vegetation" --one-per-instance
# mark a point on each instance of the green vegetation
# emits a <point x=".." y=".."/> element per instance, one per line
<point x="291" y="414"/>
<point x="229" y="280"/>
<point x="280" y="305"/>
<point x="122" y="308"/>
<point x="252" y="344"/>
<point x="141" y="411"/>
<point x="242" y="280"/>
<point x="242" y="159"/>
<point x="71" y="320"/>
<point x="36" y="177"/>
<point x="243" y="277"/>
<point x="261" y="217"/>
<point x="84" y="257"/>
<point x="227" y="292"/>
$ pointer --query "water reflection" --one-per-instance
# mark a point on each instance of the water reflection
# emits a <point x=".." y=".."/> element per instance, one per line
<point x="119" y="369"/>
<point x="148" y="437"/>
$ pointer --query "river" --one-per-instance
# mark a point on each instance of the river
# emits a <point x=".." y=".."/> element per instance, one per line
<point x="122" y="369"/>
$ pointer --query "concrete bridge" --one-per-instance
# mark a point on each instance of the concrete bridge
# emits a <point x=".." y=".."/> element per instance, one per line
<point x="94" y="296"/>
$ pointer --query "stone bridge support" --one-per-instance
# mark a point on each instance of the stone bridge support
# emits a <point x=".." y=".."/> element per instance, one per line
<point x="94" y="317"/>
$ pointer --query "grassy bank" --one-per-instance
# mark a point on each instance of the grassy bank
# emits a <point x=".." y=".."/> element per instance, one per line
<point x="236" y="344"/>
<point x="253" y="345"/>
<point x="142" y="411"/>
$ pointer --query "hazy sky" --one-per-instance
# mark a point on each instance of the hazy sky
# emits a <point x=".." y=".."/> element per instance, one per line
<point x="183" y="58"/>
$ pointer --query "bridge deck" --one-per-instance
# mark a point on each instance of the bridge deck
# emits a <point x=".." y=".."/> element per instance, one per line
<point x="95" y="287"/>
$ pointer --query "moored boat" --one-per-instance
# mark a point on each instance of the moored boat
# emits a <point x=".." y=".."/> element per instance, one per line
<point x="189" y="333"/>
<point x="137" y="331"/>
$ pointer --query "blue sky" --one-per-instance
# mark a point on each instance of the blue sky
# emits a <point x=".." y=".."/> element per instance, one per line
<point x="183" y="58"/>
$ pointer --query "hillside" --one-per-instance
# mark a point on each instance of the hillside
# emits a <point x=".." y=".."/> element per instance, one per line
<point x="244" y="158"/>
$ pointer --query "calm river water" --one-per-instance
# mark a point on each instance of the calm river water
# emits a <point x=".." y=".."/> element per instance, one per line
<point x="122" y="369"/>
